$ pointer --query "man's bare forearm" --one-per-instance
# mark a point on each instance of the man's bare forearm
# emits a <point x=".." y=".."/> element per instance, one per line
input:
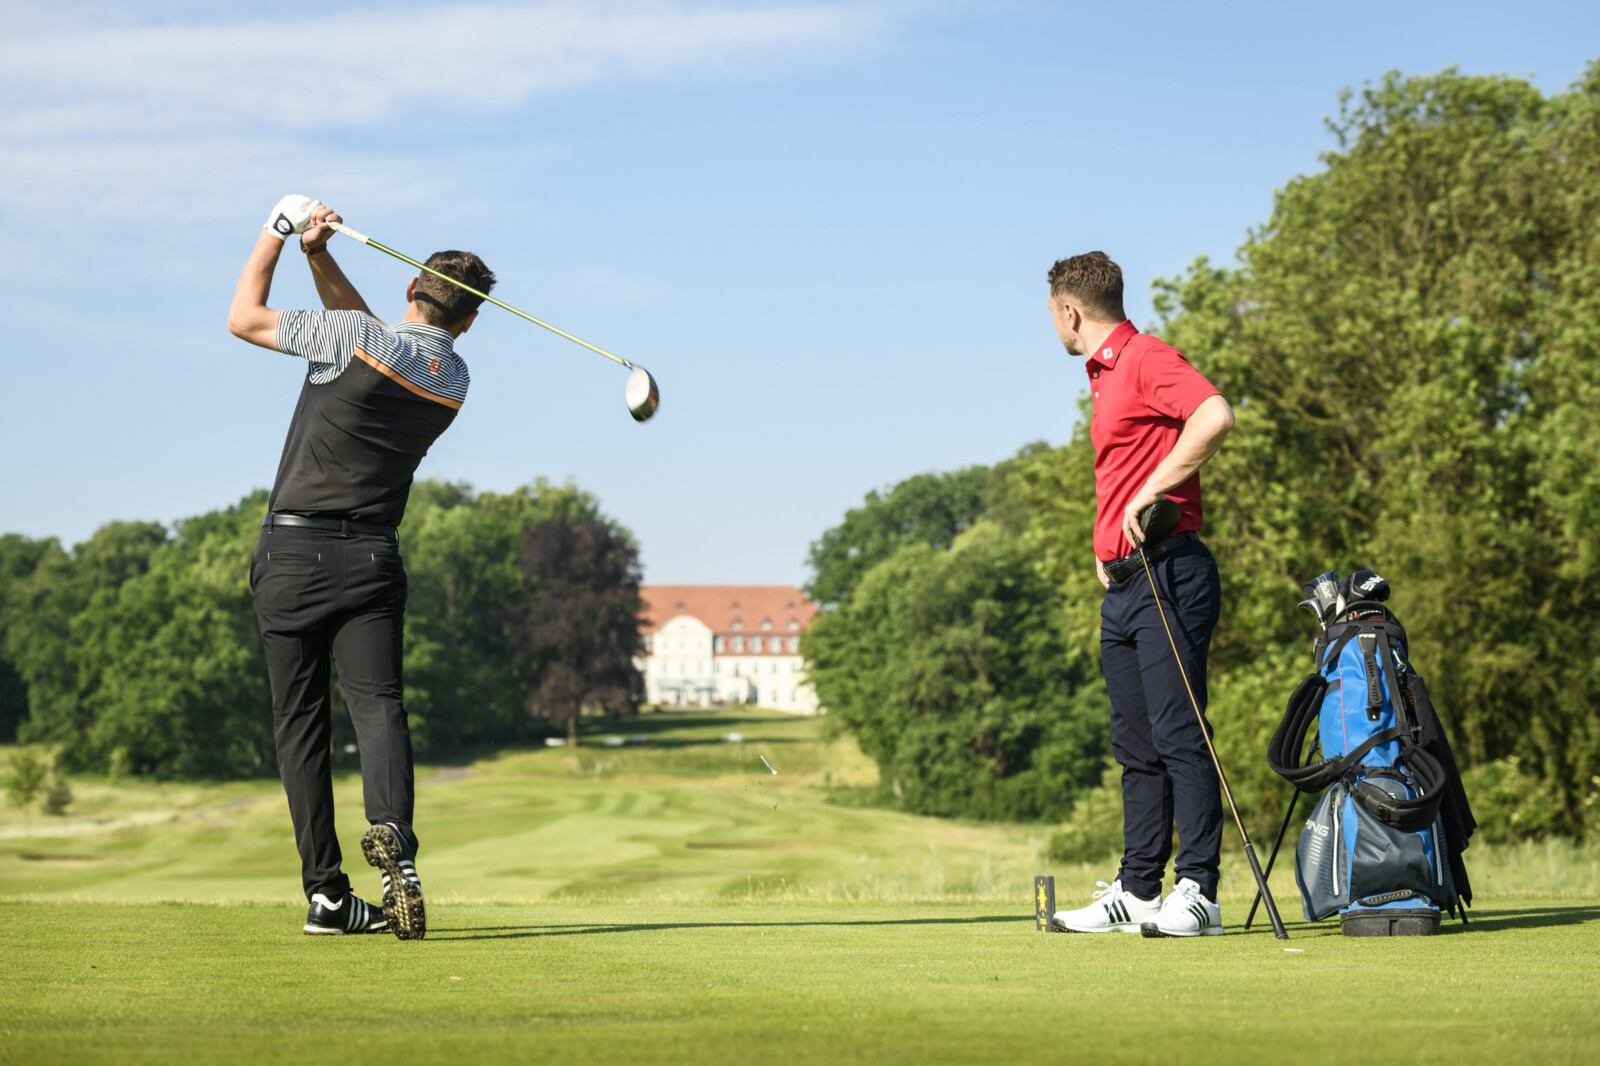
<point x="249" y="317"/>
<point x="1201" y="437"/>
<point x="333" y="288"/>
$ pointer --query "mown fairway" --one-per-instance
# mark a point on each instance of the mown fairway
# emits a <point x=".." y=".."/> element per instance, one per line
<point x="682" y="904"/>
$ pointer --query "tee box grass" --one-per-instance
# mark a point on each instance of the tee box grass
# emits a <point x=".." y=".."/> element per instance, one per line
<point x="674" y="901"/>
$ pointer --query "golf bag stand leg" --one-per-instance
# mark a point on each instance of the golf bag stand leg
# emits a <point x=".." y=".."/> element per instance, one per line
<point x="1294" y="797"/>
<point x="1272" y="858"/>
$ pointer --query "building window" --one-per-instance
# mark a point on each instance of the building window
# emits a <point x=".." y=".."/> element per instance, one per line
<point x="755" y="643"/>
<point x="738" y="644"/>
<point x="737" y="624"/>
<point x="645" y="643"/>
<point x="766" y="625"/>
<point x="716" y="645"/>
<point x="794" y="645"/>
<point x="793" y="624"/>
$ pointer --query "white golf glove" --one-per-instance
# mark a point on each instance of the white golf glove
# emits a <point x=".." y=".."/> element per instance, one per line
<point x="292" y="215"/>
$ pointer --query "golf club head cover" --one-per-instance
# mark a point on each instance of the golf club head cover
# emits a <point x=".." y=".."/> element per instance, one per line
<point x="1365" y="585"/>
<point x="291" y="215"/>
<point x="1157" y="521"/>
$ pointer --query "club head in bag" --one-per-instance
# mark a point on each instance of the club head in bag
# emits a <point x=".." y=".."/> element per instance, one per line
<point x="1157" y="521"/>
<point x="642" y="394"/>
<point x="1315" y="608"/>
<point x="1364" y="585"/>
<point x="1324" y="589"/>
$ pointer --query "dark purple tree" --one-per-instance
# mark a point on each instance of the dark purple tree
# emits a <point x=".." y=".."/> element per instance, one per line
<point x="577" y="632"/>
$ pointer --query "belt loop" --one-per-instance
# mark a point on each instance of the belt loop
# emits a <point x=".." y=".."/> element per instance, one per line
<point x="344" y="528"/>
<point x="272" y="518"/>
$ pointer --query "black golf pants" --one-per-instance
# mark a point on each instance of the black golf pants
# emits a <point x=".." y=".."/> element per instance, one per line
<point x="326" y="598"/>
<point x="1167" y="774"/>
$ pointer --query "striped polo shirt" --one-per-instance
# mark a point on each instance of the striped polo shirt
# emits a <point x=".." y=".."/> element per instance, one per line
<point x="374" y="400"/>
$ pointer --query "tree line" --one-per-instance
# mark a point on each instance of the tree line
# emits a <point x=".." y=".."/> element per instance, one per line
<point x="136" y="652"/>
<point x="1411" y="344"/>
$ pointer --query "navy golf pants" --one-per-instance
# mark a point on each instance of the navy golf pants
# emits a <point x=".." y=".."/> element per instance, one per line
<point x="324" y="599"/>
<point x="1167" y="774"/>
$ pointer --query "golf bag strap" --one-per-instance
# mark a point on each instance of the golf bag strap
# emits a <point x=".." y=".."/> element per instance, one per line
<point x="1411" y="815"/>
<point x="1388" y="662"/>
<point x="1283" y="753"/>
<point x="1288" y="740"/>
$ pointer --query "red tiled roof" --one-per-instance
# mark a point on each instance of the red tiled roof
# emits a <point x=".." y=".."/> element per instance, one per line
<point x="720" y="606"/>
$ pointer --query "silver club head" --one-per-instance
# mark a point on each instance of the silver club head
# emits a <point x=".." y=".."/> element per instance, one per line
<point x="643" y="394"/>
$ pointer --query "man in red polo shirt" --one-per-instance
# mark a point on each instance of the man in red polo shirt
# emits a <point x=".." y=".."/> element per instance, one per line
<point x="1156" y="421"/>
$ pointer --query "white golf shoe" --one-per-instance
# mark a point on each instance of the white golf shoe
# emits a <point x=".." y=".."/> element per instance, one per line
<point x="1185" y="912"/>
<point x="1114" y="911"/>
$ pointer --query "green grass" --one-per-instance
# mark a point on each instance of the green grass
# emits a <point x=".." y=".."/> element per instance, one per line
<point x="679" y="903"/>
<point x="804" y="982"/>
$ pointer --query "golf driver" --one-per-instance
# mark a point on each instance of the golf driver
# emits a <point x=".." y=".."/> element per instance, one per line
<point x="1148" y="520"/>
<point x="642" y="394"/>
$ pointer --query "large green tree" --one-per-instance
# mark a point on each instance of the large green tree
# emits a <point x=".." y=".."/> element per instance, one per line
<point x="950" y="669"/>
<point x="926" y="509"/>
<point x="467" y="673"/>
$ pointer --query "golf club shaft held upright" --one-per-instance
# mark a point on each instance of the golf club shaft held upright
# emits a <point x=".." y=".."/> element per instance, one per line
<point x="340" y="227"/>
<point x="1249" y="849"/>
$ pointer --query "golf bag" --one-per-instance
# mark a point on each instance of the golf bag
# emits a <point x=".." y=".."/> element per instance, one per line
<point x="1382" y="847"/>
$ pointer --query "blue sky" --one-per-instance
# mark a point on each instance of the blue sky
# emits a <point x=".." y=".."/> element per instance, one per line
<point x="823" y="226"/>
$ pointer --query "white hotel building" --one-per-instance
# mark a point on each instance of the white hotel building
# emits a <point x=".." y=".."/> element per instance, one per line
<point x="706" y="644"/>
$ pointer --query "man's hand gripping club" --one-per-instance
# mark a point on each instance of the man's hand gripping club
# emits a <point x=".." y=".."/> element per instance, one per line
<point x="249" y="317"/>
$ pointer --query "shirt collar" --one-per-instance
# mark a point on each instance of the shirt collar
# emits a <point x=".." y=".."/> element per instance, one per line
<point x="432" y="332"/>
<point x="1112" y="346"/>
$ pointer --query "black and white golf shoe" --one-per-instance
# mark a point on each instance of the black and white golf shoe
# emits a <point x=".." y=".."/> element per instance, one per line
<point x="385" y="848"/>
<point x="349" y="915"/>
<point x="1186" y="912"/>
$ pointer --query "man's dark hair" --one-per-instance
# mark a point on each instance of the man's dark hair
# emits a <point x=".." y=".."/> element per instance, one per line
<point x="1093" y="282"/>
<point x="441" y="303"/>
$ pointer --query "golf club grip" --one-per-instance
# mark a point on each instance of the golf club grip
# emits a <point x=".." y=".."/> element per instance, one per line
<point x="1266" y="893"/>
<point x="340" y="227"/>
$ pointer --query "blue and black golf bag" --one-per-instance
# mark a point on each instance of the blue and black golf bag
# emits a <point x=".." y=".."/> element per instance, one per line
<point x="1382" y="847"/>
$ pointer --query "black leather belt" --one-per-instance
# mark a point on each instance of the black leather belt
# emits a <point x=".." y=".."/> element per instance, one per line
<point x="1125" y="567"/>
<point x="343" y="526"/>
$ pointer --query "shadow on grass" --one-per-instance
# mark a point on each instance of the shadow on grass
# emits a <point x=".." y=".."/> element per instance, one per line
<point x="1490" y="919"/>
<point x="517" y="932"/>
<point x="1498" y="919"/>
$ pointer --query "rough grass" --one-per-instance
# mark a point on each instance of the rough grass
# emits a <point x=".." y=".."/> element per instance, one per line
<point x="676" y="902"/>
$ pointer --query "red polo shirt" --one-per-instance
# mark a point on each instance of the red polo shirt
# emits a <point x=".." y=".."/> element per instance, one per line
<point x="1144" y="391"/>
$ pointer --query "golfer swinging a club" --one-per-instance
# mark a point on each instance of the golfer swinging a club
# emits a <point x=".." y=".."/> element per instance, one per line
<point x="1156" y="421"/>
<point x="328" y="579"/>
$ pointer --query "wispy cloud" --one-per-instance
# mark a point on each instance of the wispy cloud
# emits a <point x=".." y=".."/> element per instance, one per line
<point x="352" y="68"/>
<point x="100" y="117"/>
